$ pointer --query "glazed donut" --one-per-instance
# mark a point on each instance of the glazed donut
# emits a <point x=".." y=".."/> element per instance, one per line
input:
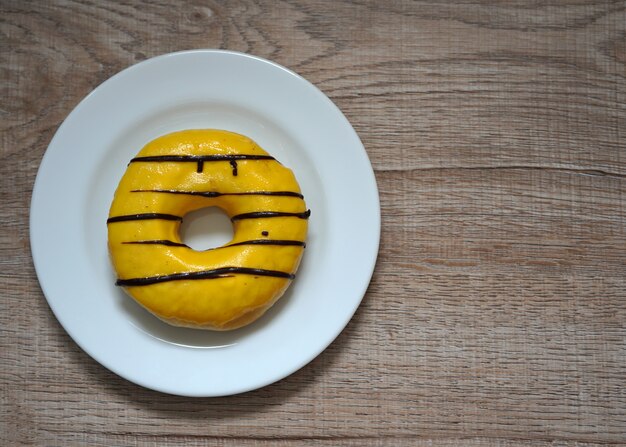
<point x="222" y="288"/>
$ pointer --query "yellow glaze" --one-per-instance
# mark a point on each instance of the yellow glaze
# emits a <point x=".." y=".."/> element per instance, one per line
<point x="144" y="240"/>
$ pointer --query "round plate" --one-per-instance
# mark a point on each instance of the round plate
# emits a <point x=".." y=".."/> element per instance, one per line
<point x="284" y="114"/>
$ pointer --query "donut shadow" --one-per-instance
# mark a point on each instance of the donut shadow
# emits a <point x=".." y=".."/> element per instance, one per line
<point x="149" y="324"/>
<point x="152" y="326"/>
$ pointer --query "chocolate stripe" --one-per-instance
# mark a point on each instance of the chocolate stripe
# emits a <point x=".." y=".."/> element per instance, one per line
<point x="205" y="274"/>
<point x="158" y="242"/>
<point x="250" y="242"/>
<point x="210" y="194"/>
<point x="144" y="216"/>
<point x="201" y="158"/>
<point x="266" y="214"/>
<point x="268" y="242"/>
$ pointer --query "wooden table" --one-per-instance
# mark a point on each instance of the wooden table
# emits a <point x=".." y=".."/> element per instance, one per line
<point x="497" y="312"/>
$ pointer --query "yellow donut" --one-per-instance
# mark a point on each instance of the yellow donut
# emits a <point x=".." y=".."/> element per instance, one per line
<point x="222" y="288"/>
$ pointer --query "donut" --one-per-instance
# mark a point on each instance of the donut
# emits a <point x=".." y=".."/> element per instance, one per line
<point x="222" y="288"/>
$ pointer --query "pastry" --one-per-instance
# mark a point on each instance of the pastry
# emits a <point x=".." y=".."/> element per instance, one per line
<point x="221" y="288"/>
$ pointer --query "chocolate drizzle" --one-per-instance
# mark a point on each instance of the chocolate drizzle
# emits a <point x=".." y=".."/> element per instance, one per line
<point x="268" y="242"/>
<point x="284" y="242"/>
<point x="223" y="272"/>
<point x="201" y="159"/>
<point x="267" y="214"/>
<point x="158" y="242"/>
<point x="144" y="216"/>
<point x="210" y="194"/>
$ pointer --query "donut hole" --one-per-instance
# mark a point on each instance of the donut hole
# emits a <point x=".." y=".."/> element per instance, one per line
<point x="206" y="228"/>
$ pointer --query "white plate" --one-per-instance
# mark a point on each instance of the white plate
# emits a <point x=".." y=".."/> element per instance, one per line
<point x="288" y="117"/>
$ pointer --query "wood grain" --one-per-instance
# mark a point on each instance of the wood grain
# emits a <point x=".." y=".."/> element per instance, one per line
<point x="497" y="312"/>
